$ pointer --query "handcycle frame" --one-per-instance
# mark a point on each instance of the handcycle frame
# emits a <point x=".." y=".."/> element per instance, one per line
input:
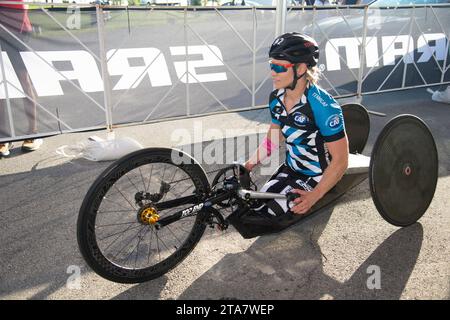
<point x="233" y="190"/>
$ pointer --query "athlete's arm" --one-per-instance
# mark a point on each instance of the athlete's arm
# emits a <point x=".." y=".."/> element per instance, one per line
<point x="270" y="143"/>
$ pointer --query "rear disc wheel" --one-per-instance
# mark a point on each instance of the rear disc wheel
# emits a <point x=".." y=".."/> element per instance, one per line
<point x="403" y="170"/>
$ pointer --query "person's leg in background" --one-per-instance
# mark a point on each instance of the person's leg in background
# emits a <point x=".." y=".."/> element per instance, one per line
<point x="30" y="111"/>
<point x="12" y="47"/>
<point x="4" y="129"/>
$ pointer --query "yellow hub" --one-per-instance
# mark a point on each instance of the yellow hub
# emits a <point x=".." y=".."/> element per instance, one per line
<point x="149" y="216"/>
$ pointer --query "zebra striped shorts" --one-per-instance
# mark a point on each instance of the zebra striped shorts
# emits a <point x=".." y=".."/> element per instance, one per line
<point x="283" y="181"/>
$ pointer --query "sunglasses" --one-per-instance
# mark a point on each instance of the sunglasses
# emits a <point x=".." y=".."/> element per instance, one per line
<point x="278" y="67"/>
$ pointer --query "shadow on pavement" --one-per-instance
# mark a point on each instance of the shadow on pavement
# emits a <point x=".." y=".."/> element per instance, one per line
<point x="145" y="291"/>
<point x="265" y="270"/>
<point x="395" y="257"/>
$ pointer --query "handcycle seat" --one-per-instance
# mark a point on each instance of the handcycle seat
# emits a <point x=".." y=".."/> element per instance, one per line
<point x="357" y="163"/>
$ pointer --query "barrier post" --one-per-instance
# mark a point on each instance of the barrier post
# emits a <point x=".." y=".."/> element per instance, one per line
<point x="104" y="68"/>
<point x="405" y="65"/>
<point x="188" y="111"/>
<point x="362" y="55"/>
<point x="280" y="21"/>
<point x="444" y="66"/>
<point x="313" y="35"/>
<point x="254" y="58"/>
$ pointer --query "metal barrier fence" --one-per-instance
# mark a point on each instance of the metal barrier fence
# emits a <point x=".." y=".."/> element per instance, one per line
<point x="83" y="67"/>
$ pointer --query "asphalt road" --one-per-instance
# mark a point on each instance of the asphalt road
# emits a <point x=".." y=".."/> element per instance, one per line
<point x="332" y="255"/>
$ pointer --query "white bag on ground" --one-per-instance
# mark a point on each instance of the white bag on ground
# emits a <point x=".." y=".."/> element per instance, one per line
<point x="441" y="96"/>
<point x="97" y="149"/>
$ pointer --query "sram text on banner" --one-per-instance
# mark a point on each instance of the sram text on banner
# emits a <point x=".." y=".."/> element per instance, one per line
<point x="46" y="77"/>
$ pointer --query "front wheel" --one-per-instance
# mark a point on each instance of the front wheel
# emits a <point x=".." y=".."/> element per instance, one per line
<point x="117" y="229"/>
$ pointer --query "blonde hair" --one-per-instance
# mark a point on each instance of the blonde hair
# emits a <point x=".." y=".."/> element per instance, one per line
<point x="313" y="75"/>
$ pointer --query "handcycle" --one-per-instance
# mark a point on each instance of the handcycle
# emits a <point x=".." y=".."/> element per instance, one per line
<point x="147" y="211"/>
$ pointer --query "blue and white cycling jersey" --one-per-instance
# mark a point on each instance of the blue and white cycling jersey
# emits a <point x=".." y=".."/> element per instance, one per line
<point x="308" y="125"/>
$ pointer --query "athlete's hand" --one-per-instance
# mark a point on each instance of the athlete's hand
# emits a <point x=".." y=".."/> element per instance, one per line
<point x="306" y="200"/>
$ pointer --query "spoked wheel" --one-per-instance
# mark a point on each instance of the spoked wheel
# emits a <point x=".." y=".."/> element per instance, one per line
<point x="117" y="224"/>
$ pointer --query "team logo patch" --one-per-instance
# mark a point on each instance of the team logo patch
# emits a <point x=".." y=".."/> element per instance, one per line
<point x="300" y="118"/>
<point x="334" y="122"/>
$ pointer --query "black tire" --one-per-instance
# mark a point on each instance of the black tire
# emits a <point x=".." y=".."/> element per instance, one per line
<point x="403" y="171"/>
<point x="357" y="126"/>
<point x="118" y="178"/>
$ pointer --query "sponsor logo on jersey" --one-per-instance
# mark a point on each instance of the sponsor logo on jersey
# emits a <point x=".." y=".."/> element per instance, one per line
<point x="300" y="118"/>
<point x="334" y="121"/>
<point x="319" y="99"/>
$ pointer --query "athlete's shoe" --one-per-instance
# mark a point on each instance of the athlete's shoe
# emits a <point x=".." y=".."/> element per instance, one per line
<point x="31" y="144"/>
<point x="4" y="149"/>
<point x="442" y="96"/>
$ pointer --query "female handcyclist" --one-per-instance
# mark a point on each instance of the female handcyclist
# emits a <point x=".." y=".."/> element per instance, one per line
<point x="309" y="121"/>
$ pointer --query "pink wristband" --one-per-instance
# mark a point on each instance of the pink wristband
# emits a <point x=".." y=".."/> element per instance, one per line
<point x="269" y="146"/>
